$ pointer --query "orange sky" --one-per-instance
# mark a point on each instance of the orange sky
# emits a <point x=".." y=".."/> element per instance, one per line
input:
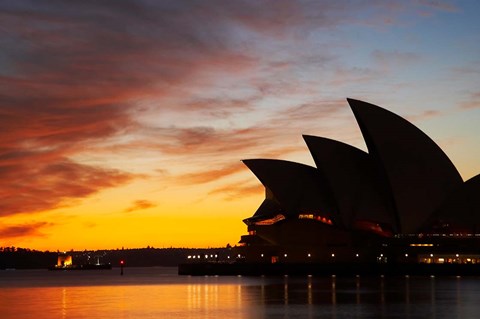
<point x="123" y="124"/>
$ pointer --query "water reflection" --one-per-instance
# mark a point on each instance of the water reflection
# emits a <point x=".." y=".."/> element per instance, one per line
<point x="153" y="295"/>
<point x="378" y="297"/>
<point x="205" y="300"/>
<point x="64" y="303"/>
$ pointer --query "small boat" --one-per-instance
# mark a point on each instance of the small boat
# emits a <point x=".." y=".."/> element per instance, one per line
<point x="65" y="262"/>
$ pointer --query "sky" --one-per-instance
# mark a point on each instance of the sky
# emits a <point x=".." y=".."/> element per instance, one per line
<point x="124" y="123"/>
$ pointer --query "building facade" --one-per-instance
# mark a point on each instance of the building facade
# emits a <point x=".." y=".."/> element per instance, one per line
<point x="403" y="201"/>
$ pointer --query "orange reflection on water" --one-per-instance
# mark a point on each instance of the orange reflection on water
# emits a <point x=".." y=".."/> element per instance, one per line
<point x="204" y="300"/>
<point x="123" y="301"/>
<point x="76" y="296"/>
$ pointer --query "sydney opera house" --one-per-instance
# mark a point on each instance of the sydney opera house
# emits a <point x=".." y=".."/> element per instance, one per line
<point x="403" y="201"/>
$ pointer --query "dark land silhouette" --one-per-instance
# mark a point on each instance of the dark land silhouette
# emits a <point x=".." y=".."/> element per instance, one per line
<point x="24" y="258"/>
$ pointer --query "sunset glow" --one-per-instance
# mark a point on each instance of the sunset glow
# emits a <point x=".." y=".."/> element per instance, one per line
<point x="124" y="123"/>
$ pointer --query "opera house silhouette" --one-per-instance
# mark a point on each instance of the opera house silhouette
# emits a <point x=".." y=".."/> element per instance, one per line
<point x="403" y="201"/>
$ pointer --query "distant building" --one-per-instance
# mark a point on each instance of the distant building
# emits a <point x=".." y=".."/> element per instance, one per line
<point x="403" y="201"/>
<point x="64" y="261"/>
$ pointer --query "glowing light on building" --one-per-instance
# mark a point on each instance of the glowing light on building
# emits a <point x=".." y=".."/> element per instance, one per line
<point x="270" y="221"/>
<point x="64" y="261"/>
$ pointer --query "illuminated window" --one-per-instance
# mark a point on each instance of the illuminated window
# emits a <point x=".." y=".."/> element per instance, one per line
<point x="306" y="216"/>
<point x="271" y="221"/>
<point x="322" y="219"/>
<point x="421" y="245"/>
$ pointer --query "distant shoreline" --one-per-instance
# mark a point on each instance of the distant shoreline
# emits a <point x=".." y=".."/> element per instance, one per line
<point x="21" y="258"/>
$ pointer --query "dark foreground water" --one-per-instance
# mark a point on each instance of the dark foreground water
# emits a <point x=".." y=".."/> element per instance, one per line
<point x="160" y="293"/>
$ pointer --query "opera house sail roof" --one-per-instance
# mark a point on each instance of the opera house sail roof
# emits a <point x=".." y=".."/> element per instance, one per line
<point x="417" y="172"/>
<point x="354" y="182"/>
<point x="297" y="188"/>
<point x="461" y="209"/>
<point x="405" y="184"/>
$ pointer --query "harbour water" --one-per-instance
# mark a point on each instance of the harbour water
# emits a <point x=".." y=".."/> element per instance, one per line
<point x="161" y="293"/>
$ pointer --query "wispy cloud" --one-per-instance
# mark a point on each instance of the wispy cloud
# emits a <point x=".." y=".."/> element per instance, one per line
<point x="439" y="5"/>
<point x="80" y="76"/>
<point x="387" y="61"/>
<point x="36" y="184"/>
<point x="201" y="177"/>
<point x="424" y="115"/>
<point x="140" y="204"/>
<point x="238" y="190"/>
<point x="29" y="229"/>
<point x="342" y="76"/>
<point x="310" y="112"/>
<point x="211" y="144"/>
<point x="473" y="101"/>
